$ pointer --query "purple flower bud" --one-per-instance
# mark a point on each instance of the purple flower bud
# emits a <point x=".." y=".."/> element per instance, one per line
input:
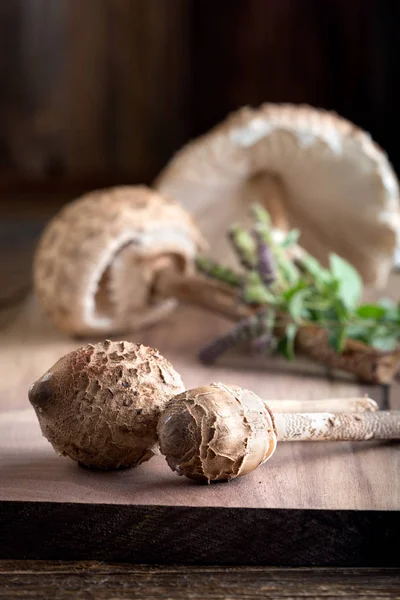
<point x="266" y="263"/>
<point x="247" y="329"/>
<point x="262" y="343"/>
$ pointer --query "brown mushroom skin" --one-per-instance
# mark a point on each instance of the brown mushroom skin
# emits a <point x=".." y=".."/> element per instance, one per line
<point x="99" y="257"/>
<point x="216" y="433"/>
<point x="99" y="404"/>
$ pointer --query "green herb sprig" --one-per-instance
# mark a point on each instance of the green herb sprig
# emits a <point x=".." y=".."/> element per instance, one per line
<point x="291" y="289"/>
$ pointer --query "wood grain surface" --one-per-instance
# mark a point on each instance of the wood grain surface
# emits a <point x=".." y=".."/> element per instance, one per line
<point x="339" y="501"/>
<point x="300" y="475"/>
<point x="49" y="580"/>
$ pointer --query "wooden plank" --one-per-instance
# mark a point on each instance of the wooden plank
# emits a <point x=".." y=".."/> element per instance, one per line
<point x="47" y="580"/>
<point x="51" y="508"/>
<point x="299" y="476"/>
<point x="198" y="535"/>
<point x="340" y="502"/>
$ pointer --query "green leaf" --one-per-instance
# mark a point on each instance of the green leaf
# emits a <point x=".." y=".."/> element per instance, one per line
<point x="290" y="292"/>
<point x="386" y="343"/>
<point x="296" y="307"/>
<point x="330" y="286"/>
<point x="340" y="310"/>
<point x="387" y="304"/>
<point x="383" y="336"/>
<point x="244" y="246"/>
<point x="255" y="292"/>
<point x="286" y="343"/>
<point x="314" y="268"/>
<point x="217" y="271"/>
<point x="350" y="282"/>
<point x="270" y="319"/>
<point x="286" y="269"/>
<point x="371" y="311"/>
<point x="261" y="216"/>
<point x="358" y="332"/>
<point x="291" y="238"/>
<point x="337" y="338"/>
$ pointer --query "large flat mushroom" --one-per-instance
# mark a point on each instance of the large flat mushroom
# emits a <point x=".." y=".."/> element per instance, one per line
<point x="311" y="168"/>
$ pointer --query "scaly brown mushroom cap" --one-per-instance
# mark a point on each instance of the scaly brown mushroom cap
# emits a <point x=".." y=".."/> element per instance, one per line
<point x="337" y="185"/>
<point x="216" y="433"/>
<point x="97" y="259"/>
<point x="99" y="404"/>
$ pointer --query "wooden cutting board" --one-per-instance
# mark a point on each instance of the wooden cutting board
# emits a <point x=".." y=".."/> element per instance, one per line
<point x="311" y="504"/>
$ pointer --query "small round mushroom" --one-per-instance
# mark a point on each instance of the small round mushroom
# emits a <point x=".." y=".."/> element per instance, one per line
<point x="216" y="433"/>
<point x="99" y="404"/>
<point x="98" y="259"/>
<point x="311" y="169"/>
<point x="219" y="432"/>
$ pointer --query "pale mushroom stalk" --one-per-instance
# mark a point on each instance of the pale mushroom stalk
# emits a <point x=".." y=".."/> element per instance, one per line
<point x="209" y="294"/>
<point x="328" y="405"/>
<point x="334" y="427"/>
<point x="268" y="191"/>
<point x="219" y="432"/>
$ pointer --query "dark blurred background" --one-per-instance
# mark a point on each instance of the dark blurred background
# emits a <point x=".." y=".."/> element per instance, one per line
<point x="96" y="92"/>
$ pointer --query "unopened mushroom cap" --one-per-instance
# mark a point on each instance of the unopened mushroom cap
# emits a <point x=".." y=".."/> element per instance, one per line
<point x="340" y="189"/>
<point x="99" y="404"/>
<point x="216" y="433"/>
<point x="97" y="259"/>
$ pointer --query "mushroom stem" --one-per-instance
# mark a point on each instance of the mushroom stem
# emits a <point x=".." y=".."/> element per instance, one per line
<point x="212" y="295"/>
<point x="324" y="427"/>
<point x="219" y="432"/>
<point x="332" y="405"/>
<point x="267" y="189"/>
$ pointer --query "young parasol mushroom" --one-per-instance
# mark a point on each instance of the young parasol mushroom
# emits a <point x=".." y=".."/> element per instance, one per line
<point x="312" y="169"/>
<point x="99" y="404"/>
<point x="116" y="259"/>
<point x="218" y="433"/>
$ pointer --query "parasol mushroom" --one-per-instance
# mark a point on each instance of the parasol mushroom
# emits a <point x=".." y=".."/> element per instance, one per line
<point x="115" y="259"/>
<point x="310" y="168"/>
<point x="219" y="432"/>
<point x="100" y="404"/>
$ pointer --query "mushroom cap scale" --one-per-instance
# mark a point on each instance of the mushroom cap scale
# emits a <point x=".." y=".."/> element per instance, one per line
<point x="99" y="404"/>
<point x="97" y="259"/>
<point x="339" y="187"/>
<point x="216" y="433"/>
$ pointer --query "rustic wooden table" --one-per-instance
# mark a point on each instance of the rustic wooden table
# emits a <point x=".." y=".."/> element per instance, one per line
<point x="63" y="579"/>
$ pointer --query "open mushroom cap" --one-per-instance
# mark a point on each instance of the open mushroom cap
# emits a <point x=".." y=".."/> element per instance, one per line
<point x="335" y="184"/>
<point x="97" y="259"/>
